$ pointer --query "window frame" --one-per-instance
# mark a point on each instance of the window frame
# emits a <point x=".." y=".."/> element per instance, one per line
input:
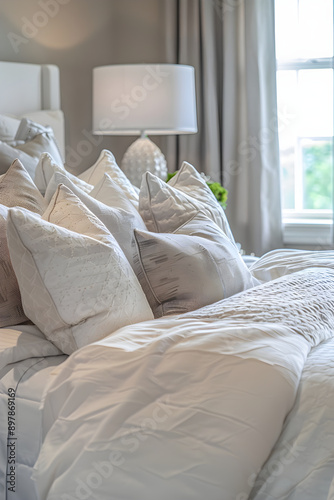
<point x="307" y="226"/>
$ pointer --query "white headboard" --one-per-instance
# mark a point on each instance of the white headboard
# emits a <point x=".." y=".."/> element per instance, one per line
<point x="27" y="88"/>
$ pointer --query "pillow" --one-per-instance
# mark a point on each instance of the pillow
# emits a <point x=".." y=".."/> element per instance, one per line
<point x="109" y="192"/>
<point x="118" y="221"/>
<point x="53" y="118"/>
<point x="28" y="153"/>
<point x="106" y="164"/>
<point x="45" y="169"/>
<point x="8" y="128"/>
<point x="28" y="129"/>
<point x="190" y="268"/>
<point x="166" y="206"/>
<point x="16" y="189"/>
<point x="77" y="288"/>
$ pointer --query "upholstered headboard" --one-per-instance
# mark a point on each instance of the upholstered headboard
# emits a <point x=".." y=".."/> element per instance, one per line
<point x="27" y="90"/>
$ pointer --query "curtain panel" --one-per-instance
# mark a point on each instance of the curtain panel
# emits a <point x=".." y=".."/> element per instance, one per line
<point x="231" y="44"/>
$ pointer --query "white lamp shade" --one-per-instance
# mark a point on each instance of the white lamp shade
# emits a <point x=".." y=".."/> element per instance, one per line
<point x="158" y="99"/>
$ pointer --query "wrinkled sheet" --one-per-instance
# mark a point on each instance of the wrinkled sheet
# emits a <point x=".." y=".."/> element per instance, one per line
<point x="184" y="407"/>
<point x="26" y="360"/>
<point x="301" y="466"/>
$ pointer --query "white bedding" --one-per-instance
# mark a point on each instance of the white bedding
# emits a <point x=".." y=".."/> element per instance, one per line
<point x="26" y="361"/>
<point x="301" y="466"/>
<point x="186" y="407"/>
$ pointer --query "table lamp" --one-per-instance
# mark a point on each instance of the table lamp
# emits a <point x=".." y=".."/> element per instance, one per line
<point x="154" y="99"/>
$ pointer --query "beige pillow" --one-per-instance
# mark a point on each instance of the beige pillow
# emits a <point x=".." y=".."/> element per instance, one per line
<point x="165" y="206"/>
<point x="77" y="288"/>
<point x="106" y="164"/>
<point x="109" y="192"/>
<point x="16" y="189"/>
<point x="195" y="266"/>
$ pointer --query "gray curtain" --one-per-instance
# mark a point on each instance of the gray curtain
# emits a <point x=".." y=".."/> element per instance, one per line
<point x="231" y="45"/>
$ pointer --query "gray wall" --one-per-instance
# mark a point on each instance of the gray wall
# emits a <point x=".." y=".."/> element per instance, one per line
<point x="78" y="35"/>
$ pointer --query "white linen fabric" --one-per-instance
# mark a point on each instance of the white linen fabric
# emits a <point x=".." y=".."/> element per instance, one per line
<point x="76" y="288"/>
<point x="286" y="261"/>
<point x="26" y="362"/>
<point x="301" y="466"/>
<point x="164" y="208"/>
<point x="195" y="266"/>
<point x="106" y="164"/>
<point x="45" y="169"/>
<point x="118" y="221"/>
<point x="195" y="402"/>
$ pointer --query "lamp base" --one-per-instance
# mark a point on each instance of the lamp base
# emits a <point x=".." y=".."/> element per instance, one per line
<point x="142" y="156"/>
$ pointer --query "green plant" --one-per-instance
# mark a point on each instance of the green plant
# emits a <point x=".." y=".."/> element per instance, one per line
<point x="217" y="189"/>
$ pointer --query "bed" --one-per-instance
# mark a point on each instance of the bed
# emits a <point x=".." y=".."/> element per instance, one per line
<point x="147" y="360"/>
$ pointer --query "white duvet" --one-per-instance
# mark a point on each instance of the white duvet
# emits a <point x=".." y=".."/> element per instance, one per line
<point x="184" y="407"/>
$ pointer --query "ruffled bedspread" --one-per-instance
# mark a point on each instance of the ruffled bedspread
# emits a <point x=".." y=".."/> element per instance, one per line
<point x="184" y="407"/>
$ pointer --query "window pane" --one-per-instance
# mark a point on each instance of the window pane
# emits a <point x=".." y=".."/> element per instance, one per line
<point x="315" y="103"/>
<point x="304" y="29"/>
<point x="285" y="28"/>
<point x="315" y="28"/>
<point x="317" y="160"/>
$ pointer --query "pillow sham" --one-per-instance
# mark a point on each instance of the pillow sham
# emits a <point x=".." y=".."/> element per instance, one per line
<point x="190" y="268"/>
<point x="106" y="164"/>
<point x="77" y="288"/>
<point x="118" y="221"/>
<point x="28" y="153"/>
<point x="45" y="169"/>
<point x="16" y="189"/>
<point x="165" y="206"/>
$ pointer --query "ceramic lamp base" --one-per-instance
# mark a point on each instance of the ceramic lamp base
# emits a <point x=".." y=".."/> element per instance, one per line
<point x="142" y="156"/>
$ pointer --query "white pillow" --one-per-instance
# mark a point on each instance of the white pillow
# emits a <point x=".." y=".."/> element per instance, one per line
<point x="118" y="221"/>
<point x="28" y="153"/>
<point x="165" y="206"/>
<point x="8" y="128"/>
<point x="109" y="192"/>
<point x="106" y="164"/>
<point x="45" y="169"/>
<point x="77" y="288"/>
<point x="195" y="266"/>
<point x="16" y="189"/>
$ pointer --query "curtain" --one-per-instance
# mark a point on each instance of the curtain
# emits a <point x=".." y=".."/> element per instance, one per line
<point x="231" y="44"/>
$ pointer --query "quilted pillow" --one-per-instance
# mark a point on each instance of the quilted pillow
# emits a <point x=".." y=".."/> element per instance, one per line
<point x="106" y="164"/>
<point x="164" y="206"/>
<point x="118" y="221"/>
<point x="28" y="152"/>
<point x="45" y="169"/>
<point x="16" y="189"/>
<point x="190" y="268"/>
<point x="77" y="288"/>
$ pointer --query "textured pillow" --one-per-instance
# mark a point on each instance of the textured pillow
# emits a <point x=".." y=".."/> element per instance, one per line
<point x="77" y="288"/>
<point x="45" y="169"/>
<point x="118" y="221"/>
<point x="16" y="189"/>
<point x="28" y="153"/>
<point x="106" y="164"/>
<point x="164" y="207"/>
<point x="195" y="266"/>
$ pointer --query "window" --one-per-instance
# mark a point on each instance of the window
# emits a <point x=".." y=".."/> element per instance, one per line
<point x="304" y="52"/>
